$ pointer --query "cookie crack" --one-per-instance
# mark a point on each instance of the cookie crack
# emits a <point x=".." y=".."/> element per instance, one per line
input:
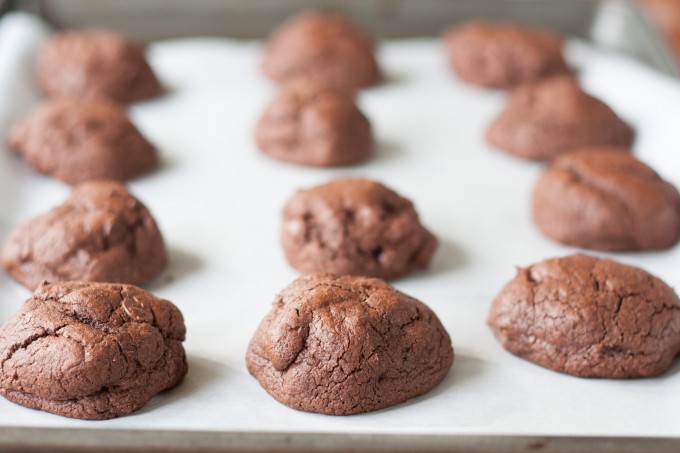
<point x="302" y="327"/>
<point x="132" y="222"/>
<point x="26" y="343"/>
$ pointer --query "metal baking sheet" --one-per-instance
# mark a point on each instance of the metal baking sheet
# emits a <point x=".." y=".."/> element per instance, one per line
<point x="218" y="203"/>
<point x="617" y="24"/>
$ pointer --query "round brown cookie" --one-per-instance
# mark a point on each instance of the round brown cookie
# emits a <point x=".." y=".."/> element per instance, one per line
<point x="100" y="233"/>
<point x="95" y="63"/>
<point x="355" y="227"/>
<point x="589" y="317"/>
<point x="605" y="199"/>
<point x="310" y="123"/>
<point x="347" y="345"/>
<point x="503" y="55"/>
<point x="322" y="46"/>
<point x="92" y="351"/>
<point x="554" y="116"/>
<point x="80" y="140"/>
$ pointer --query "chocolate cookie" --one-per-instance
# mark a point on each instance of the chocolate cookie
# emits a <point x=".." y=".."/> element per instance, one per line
<point x="100" y="233"/>
<point x="503" y="55"/>
<point x="322" y="46"/>
<point x="355" y="227"/>
<point x="347" y="345"/>
<point x="554" y="116"/>
<point x="665" y="15"/>
<point x="605" y="199"/>
<point x="80" y="140"/>
<point x="92" y="351"/>
<point x="311" y="123"/>
<point x="95" y="63"/>
<point x="589" y="317"/>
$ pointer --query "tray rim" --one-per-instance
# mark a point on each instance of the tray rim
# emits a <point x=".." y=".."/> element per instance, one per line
<point x="23" y="439"/>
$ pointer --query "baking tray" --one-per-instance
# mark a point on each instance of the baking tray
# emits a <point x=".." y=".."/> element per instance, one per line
<point x="609" y="24"/>
<point x="619" y="25"/>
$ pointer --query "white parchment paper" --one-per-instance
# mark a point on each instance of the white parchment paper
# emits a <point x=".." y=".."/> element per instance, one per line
<point x="218" y="202"/>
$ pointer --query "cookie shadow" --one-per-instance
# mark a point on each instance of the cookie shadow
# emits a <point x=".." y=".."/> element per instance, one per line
<point x="464" y="368"/>
<point x="391" y="79"/>
<point x="449" y="256"/>
<point x="673" y="371"/>
<point x="202" y="373"/>
<point x="167" y="90"/>
<point x="386" y="150"/>
<point x="181" y="264"/>
<point x="165" y="163"/>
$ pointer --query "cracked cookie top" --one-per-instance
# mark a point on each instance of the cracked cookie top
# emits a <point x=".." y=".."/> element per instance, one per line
<point x="355" y="227"/>
<point x="93" y="64"/>
<point x="79" y="140"/>
<point x="346" y="345"/>
<point x="91" y="350"/>
<point x="554" y="116"/>
<point x="503" y="55"/>
<point x="320" y="46"/>
<point x="589" y="317"/>
<point x="311" y="123"/>
<point x="100" y="233"/>
<point x="605" y="199"/>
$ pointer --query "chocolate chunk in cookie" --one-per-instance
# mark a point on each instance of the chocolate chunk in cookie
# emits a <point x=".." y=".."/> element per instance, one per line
<point x="80" y="140"/>
<point x="101" y="233"/>
<point x="347" y="345"/>
<point x="95" y="63"/>
<point x="355" y="227"/>
<point x="605" y="199"/>
<point x="92" y="351"/>
<point x="503" y="55"/>
<point x="322" y="46"/>
<point x="589" y="317"/>
<point x="311" y="123"/>
<point x="554" y="116"/>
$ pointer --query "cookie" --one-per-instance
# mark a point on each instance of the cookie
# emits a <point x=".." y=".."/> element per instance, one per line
<point x="347" y="345"/>
<point x="100" y="233"/>
<point x="80" y="140"/>
<point x="92" y="351"/>
<point x="553" y="117"/>
<point x="666" y="16"/>
<point x="589" y="317"/>
<point x="355" y="227"/>
<point x="605" y="199"/>
<point x="502" y="54"/>
<point x="327" y="47"/>
<point x="311" y="123"/>
<point x="95" y="63"/>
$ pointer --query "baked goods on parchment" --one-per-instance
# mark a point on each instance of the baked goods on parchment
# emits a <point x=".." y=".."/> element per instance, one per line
<point x="346" y="345"/>
<point x="589" y="317"/>
<point x="100" y="233"/>
<point x="312" y="123"/>
<point x="503" y="54"/>
<point x="95" y="63"/>
<point x="606" y="199"/>
<point x="328" y="47"/>
<point x="355" y="227"/>
<point x="76" y="140"/>
<point x="92" y="351"/>
<point x="554" y="116"/>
